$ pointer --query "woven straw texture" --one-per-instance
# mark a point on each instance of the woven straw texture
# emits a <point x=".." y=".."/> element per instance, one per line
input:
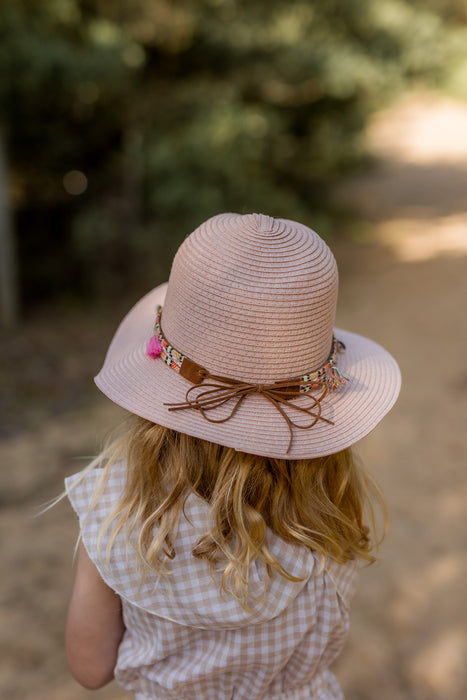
<point x="251" y="298"/>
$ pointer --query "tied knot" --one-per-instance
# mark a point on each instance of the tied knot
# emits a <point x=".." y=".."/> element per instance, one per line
<point x="210" y="392"/>
<point x="215" y="392"/>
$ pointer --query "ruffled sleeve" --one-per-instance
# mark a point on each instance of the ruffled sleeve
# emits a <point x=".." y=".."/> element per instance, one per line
<point x="93" y="496"/>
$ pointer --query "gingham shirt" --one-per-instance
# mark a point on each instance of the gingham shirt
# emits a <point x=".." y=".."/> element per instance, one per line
<point x="186" y="640"/>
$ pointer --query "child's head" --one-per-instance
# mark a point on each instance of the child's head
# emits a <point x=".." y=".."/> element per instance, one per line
<point x="240" y="349"/>
<point x="248" y="396"/>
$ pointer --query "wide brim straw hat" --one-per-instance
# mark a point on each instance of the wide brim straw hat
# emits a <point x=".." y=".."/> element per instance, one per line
<point x="251" y="302"/>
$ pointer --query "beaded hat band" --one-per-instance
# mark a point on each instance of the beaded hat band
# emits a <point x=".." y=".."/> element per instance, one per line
<point x="214" y="395"/>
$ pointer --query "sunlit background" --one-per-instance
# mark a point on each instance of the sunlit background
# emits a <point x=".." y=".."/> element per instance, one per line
<point x="124" y="125"/>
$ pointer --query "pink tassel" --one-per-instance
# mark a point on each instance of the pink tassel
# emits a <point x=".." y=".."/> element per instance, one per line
<point x="153" y="348"/>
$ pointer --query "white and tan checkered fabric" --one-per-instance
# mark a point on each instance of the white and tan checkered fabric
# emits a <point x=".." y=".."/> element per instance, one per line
<point x="185" y="640"/>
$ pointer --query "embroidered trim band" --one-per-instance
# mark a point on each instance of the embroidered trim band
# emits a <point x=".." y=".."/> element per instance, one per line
<point x="329" y="377"/>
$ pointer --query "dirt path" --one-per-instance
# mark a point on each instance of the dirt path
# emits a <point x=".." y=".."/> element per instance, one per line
<point x="403" y="282"/>
<point x="408" y="290"/>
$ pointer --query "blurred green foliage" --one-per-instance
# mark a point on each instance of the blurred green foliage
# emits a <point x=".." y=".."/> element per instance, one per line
<point x="170" y="112"/>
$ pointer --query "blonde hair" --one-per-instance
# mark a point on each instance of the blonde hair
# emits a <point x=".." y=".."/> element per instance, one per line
<point x="317" y="503"/>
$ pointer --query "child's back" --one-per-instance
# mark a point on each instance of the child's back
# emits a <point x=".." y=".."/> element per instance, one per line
<point x="185" y="638"/>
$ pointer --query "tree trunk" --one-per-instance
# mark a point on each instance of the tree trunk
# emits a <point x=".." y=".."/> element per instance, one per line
<point x="9" y="296"/>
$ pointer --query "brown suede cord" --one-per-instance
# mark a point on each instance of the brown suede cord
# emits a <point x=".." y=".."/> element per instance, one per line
<point x="210" y="396"/>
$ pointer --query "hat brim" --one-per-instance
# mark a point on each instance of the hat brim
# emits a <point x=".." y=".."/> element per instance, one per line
<point x="144" y="386"/>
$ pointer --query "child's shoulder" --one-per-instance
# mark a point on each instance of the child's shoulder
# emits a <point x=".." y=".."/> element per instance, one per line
<point x="89" y="488"/>
<point x="344" y="577"/>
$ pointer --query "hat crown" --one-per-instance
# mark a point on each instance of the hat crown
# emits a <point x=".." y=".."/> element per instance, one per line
<point x="252" y="298"/>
